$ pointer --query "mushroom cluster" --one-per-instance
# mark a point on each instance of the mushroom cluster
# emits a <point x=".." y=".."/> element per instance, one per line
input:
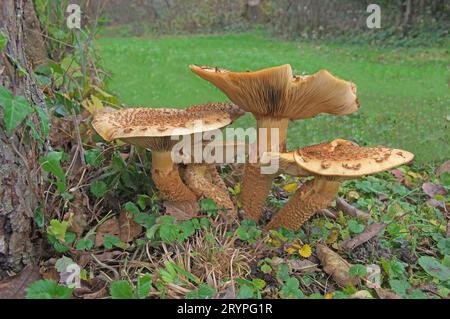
<point x="275" y="96"/>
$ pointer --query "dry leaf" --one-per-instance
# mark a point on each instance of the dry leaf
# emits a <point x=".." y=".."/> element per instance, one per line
<point x="108" y="228"/>
<point x="362" y="294"/>
<point x="129" y="229"/>
<point x="443" y="168"/>
<point x="14" y="287"/>
<point x="350" y="210"/>
<point x="369" y="232"/>
<point x="386" y="294"/>
<point x="301" y="265"/>
<point x="181" y="210"/>
<point x="336" y="266"/>
<point x="432" y="189"/>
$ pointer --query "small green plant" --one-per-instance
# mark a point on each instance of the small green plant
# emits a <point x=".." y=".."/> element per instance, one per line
<point x="248" y="231"/>
<point x="122" y="289"/>
<point x="48" y="289"/>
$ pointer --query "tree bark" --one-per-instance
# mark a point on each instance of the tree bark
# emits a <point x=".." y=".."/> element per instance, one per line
<point x="19" y="153"/>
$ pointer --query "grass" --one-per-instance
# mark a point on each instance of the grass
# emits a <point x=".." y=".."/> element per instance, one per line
<point x="404" y="93"/>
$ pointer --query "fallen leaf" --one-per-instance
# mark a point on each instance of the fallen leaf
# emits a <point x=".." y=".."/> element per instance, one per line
<point x="386" y="294"/>
<point x="129" y="229"/>
<point x="14" y="287"/>
<point x="398" y="175"/>
<point x="350" y="210"/>
<point x="369" y="232"/>
<point x="362" y="294"/>
<point x="301" y="265"/>
<point x="108" y="228"/>
<point x="443" y="168"/>
<point x="336" y="266"/>
<point x="181" y="210"/>
<point x="432" y="189"/>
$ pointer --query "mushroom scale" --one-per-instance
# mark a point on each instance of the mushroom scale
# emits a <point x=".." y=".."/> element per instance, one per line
<point x="275" y="96"/>
<point x="154" y="128"/>
<point x="329" y="163"/>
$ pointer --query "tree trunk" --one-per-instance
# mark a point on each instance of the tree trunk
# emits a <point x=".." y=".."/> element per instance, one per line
<point x="19" y="153"/>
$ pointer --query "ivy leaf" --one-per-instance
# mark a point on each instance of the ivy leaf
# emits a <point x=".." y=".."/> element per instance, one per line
<point x="15" y="109"/>
<point x="48" y="289"/>
<point x="121" y="290"/>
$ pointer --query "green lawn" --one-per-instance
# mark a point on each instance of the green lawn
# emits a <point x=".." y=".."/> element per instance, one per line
<point x="404" y="93"/>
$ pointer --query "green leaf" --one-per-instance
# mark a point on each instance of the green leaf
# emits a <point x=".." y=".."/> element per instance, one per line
<point x="110" y="241"/>
<point x="357" y="270"/>
<point x="355" y="227"/>
<point x="265" y="268"/>
<point x="84" y="244"/>
<point x="434" y="268"/>
<point x="93" y="157"/>
<point x="15" y="109"/>
<point x="99" y="189"/>
<point x="444" y="246"/>
<point x="291" y="289"/>
<point x="39" y="217"/>
<point x="203" y="292"/>
<point x="400" y="286"/>
<point x="3" y="41"/>
<point x="245" y="292"/>
<point x="121" y="289"/>
<point x="132" y="208"/>
<point x="47" y="289"/>
<point x="207" y="205"/>
<point x="169" y="233"/>
<point x="144" y="286"/>
<point x="52" y="164"/>
<point x="58" y="229"/>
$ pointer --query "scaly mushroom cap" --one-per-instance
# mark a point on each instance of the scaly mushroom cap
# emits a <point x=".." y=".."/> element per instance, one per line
<point x="152" y="128"/>
<point x="276" y="92"/>
<point x="341" y="158"/>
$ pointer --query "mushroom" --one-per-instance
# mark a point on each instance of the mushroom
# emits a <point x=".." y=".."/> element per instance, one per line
<point x="275" y="96"/>
<point x="154" y="129"/>
<point x="329" y="163"/>
<point x="203" y="178"/>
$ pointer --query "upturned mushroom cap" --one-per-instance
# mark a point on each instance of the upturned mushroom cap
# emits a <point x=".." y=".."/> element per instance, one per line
<point x="278" y="93"/>
<point x="147" y="127"/>
<point x="342" y="158"/>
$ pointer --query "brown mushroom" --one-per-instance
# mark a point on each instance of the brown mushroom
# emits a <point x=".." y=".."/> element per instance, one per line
<point x="329" y="163"/>
<point x="155" y="128"/>
<point x="275" y="96"/>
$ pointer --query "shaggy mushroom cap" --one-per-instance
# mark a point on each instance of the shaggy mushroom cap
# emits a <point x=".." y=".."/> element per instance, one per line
<point x="341" y="158"/>
<point x="277" y="92"/>
<point x="145" y="126"/>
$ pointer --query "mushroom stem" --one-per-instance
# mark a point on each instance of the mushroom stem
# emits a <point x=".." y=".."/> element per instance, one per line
<point x="309" y="198"/>
<point x="256" y="186"/>
<point x="167" y="178"/>
<point x="204" y="180"/>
